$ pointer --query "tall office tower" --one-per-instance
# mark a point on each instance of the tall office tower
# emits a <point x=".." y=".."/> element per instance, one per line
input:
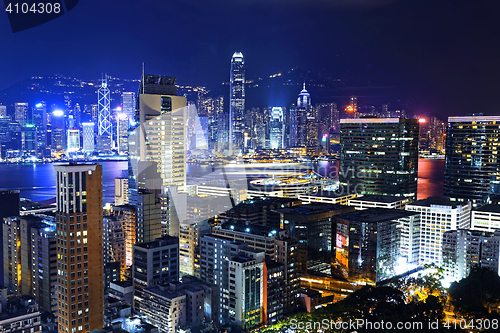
<point x="472" y="169"/>
<point x="215" y="254"/>
<point x="9" y="206"/>
<point x="121" y="191"/>
<point x="128" y="215"/>
<point x="94" y="113"/>
<point x="379" y="156"/>
<point x="293" y="130"/>
<point x="73" y="141"/>
<point x="223" y="132"/>
<point x="122" y="122"/>
<point x="77" y="114"/>
<point x="29" y="144"/>
<point x="3" y="111"/>
<point x="21" y="113"/>
<point x="79" y="247"/>
<point x="88" y="137"/>
<point x="370" y="244"/>
<point x="236" y="103"/>
<point x="276" y="128"/>
<point x="437" y="216"/>
<point x="305" y="118"/>
<point x="148" y="217"/>
<point x="328" y="114"/>
<point x="128" y="104"/>
<point x="39" y="120"/>
<point x="58" y="132"/>
<point x="104" y="124"/>
<point x="159" y="141"/>
<point x="155" y="262"/>
<point x="352" y="109"/>
<point x="465" y="249"/>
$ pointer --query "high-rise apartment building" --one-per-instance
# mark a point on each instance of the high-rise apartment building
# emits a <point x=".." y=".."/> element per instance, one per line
<point x="236" y="103"/>
<point x="79" y="247"/>
<point x="9" y="206"/>
<point x="472" y="169"/>
<point x="465" y="249"/>
<point x="121" y="191"/>
<point x="438" y="215"/>
<point x="379" y="156"/>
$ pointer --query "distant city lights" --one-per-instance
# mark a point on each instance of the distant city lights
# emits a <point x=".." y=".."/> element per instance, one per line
<point x="58" y="113"/>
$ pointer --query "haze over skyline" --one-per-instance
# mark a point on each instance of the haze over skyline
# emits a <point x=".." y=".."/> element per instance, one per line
<point x="441" y="55"/>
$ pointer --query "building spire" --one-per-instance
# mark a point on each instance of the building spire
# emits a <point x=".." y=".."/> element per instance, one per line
<point x="304" y="87"/>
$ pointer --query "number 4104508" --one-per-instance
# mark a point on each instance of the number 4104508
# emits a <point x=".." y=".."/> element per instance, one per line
<point x="35" y="8"/>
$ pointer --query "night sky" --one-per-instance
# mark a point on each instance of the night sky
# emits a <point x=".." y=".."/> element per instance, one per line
<point x="442" y="55"/>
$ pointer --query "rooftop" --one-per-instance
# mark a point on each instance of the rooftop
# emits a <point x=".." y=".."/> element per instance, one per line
<point x="376" y="215"/>
<point x="436" y="201"/>
<point x="489" y="208"/>
<point x="313" y="208"/>
<point x="159" y="242"/>
<point x="379" y="198"/>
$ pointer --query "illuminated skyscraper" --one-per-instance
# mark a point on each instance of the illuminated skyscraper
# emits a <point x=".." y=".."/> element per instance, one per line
<point x="305" y="119"/>
<point x="73" y="141"/>
<point x="472" y="170"/>
<point x="122" y="122"/>
<point x="236" y="103"/>
<point x="88" y="137"/>
<point x="80" y="281"/>
<point x="39" y="117"/>
<point x="58" y="133"/>
<point x="128" y="104"/>
<point x="21" y="113"/>
<point x="3" y="111"/>
<point x="104" y="124"/>
<point x="158" y="144"/>
<point x="276" y="128"/>
<point x="379" y="156"/>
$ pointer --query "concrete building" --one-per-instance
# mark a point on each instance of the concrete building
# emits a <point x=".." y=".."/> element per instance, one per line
<point x="21" y="315"/>
<point x="128" y="215"/>
<point x="121" y="191"/>
<point x="375" y="244"/>
<point x="246" y="288"/>
<point x="148" y="218"/>
<point x="486" y="218"/>
<point x="378" y="201"/>
<point x="330" y="197"/>
<point x="80" y="280"/>
<point x="437" y="216"/>
<point x="189" y="236"/>
<point x="465" y="249"/>
<point x="379" y="156"/>
<point x="155" y="263"/>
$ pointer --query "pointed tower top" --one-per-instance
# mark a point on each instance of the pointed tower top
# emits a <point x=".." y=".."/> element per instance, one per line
<point x="304" y="88"/>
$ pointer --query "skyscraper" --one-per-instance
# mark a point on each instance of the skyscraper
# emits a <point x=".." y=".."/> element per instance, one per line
<point x="122" y="121"/>
<point x="159" y="140"/>
<point x="79" y="247"/>
<point x="306" y="122"/>
<point x="40" y="122"/>
<point x="73" y="140"/>
<point x="104" y="124"/>
<point x="276" y="128"/>
<point x="236" y="103"/>
<point x="128" y="104"/>
<point x="472" y="170"/>
<point x="379" y="156"/>
<point x="88" y="137"/>
<point x="21" y="113"/>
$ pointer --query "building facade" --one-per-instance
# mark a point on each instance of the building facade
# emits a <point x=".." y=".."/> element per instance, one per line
<point x="379" y="156"/>
<point x="79" y="247"/>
